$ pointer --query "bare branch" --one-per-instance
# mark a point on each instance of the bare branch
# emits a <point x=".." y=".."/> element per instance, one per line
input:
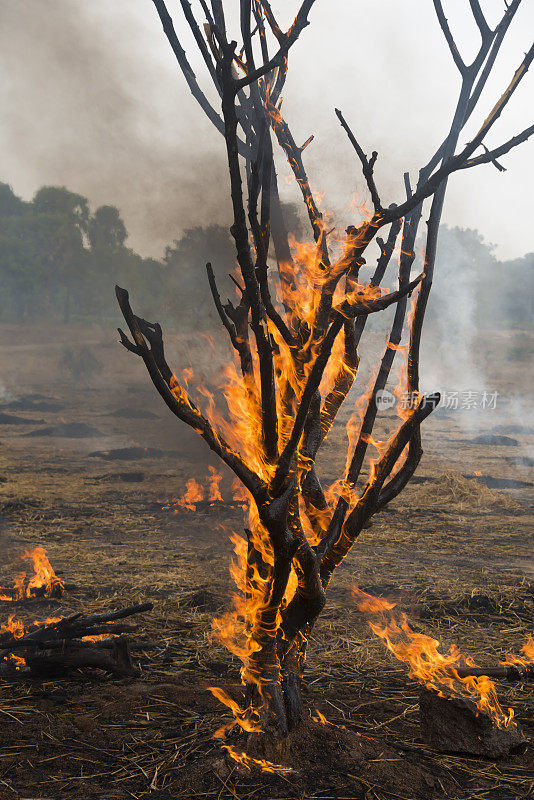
<point x="177" y="398"/>
<point x="316" y="372"/>
<point x="181" y="57"/>
<point x="455" y="163"/>
<point x="335" y="546"/>
<point x="490" y="45"/>
<point x="228" y="324"/>
<point x="501" y="103"/>
<point x="294" y="159"/>
<point x="269" y="16"/>
<point x="480" y="19"/>
<point x="218" y="16"/>
<point x="343" y="380"/>
<point x="300" y="22"/>
<point x="239" y="231"/>
<point x="367" y="164"/>
<point x="201" y="42"/>
<point x="490" y="156"/>
<point x="349" y="310"/>
<point x="444" y="25"/>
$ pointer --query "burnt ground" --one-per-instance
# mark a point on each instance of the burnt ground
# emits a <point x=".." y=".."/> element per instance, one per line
<point x="456" y="555"/>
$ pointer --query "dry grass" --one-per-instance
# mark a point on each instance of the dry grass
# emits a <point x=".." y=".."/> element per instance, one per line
<point x="454" y="555"/>
<point x="453" y="488"/>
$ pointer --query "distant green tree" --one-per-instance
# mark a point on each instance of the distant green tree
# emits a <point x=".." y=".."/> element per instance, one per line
<point x="60" y="227"/>
<point x="513" y="291"/>
<point x="10" y="204"/>
<point x="473" y="289"/>
<point x="58" y="200"/>
<point x="19" y="280"/>
<point x="112" y="262"/>
<point x="106" y="230"/>
<point x="186" y="272"/>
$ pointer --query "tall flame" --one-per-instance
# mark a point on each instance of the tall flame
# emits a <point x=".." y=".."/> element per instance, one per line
<point x="435" y="670"/>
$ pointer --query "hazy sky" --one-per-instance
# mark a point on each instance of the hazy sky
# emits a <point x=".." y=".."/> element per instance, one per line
<point x="92" y="99"/>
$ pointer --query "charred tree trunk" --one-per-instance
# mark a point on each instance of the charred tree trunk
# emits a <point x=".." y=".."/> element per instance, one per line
<point x="297" y="534"/>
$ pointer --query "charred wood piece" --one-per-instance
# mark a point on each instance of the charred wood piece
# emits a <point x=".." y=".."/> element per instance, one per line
<point x="64" y="645"/>
<point x="456" y="725"/>
<point x="112" y="656"/>
<point x="505" y="672"/>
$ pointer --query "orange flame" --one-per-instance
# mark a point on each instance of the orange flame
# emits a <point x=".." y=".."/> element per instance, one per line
<point x="240" y="717"/>
<point x="194" y="492"/>
<point x="324" y="721"/>
<point x="431" y="668"/>
<point x="214" y="480"/>
<point x="44" y="580"/>
<point x="527" y="649"/>
<point x="260" y="763"/>
<point x="14" y="626"/>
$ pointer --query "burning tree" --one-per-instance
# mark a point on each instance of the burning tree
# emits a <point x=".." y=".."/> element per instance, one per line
<point x="296" y="332"/>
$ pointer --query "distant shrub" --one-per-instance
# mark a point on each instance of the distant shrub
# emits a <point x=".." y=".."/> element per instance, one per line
<point x="80" y="363"/>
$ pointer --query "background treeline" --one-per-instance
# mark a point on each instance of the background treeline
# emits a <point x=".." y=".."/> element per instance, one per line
<point x="59" y="262"/>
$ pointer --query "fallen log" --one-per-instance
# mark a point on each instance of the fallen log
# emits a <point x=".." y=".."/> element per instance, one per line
<point x="74" y="627"/>
<point x="112" y="656"/>
<point x="506" y="672"/>
<point x="53" y="648"/>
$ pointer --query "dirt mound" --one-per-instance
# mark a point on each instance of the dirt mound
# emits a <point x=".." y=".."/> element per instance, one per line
<point x="133" y="413"/>
<point x="522" y="461"/>
<point x="12" y="419"/>
<point x="34" y="402"/>
<point x="494" y="439"/>
<point x="127" y="477"/>
<point x="203" y="599"/>
<point x="70" y="430"/>
<point x="127" y="453"/>
<point x="322" y="759"/>
<point x="454" y="488"/>
<point x="515" y="429"/>
<point x="501" y="483"/>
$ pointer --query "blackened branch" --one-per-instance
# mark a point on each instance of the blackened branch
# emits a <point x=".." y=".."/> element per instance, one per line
<point x="457" y="162"/>
<point x="226" y="321"/>
<point x="181" y="57"/>
<point x="175" y="397"/>
<point x="444" y="25"/>
<point x="367" y="163"/>
<point x="314" y="379"/>
<point x="491" y="156"/>
<point x="335" y="546"/>
<point x="480" y="19"/>
<point x="300" y="22"/>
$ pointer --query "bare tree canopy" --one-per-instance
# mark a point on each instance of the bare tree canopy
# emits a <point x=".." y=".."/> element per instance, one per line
<point x="297" y="329"/>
